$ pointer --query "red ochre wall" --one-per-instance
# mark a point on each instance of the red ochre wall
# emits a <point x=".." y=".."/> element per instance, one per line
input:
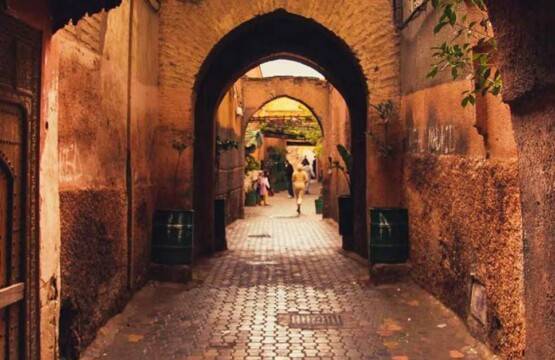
<point x="460" y="174"/>
<point x="108" y="110"/>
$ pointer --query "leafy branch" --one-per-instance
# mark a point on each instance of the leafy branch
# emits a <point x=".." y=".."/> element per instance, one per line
<point x="471" y="57"/>
<point x="180" y="142"/>
<point x="347" y="167"/>
<point x="385" y="111"/>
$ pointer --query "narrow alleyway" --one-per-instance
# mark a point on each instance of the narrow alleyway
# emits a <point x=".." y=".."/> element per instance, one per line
<point x="284" y="290"/>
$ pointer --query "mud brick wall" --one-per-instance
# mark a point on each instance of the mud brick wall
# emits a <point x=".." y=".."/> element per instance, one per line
<point x="462" y="191"/>
<point x="107" y="105"/>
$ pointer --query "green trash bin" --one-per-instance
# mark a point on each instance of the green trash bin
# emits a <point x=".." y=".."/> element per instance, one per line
<point x="389" y="236"/>
<point x="319" y="204"/>
<point x="251" y="198"/>
<point x="172" y="240"/>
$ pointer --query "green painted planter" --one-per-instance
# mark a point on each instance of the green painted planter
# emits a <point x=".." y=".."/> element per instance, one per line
<point x="389" y="236"/>
<point x="319" y="204"/>
<point x="251" y="199"/>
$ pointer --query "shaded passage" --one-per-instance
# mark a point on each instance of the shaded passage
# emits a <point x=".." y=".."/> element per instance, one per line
<point x="284" y="290"/>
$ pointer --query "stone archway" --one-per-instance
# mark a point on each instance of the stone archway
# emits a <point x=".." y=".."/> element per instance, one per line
<point x="248" y="45"/>
<point x="313" y="93"/>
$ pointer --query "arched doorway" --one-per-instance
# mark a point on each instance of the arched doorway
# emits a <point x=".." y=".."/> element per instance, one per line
<point x="318" y="114"/>
<point x="275" y="35"/>
<point x="279" y="136"/>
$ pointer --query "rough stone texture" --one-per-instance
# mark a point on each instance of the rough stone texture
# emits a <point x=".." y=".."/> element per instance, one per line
<point x="91" y="140"/>
<point x="94" y="262"/>
<point x="535" y="128"/>
<point x="239" y="304"/>
<point x="462" y="192"/>
<point x="519" y="25"/>
<point x="525" y="34"/>
<point x="106" y="192"/>
<point x="465" y="224"/>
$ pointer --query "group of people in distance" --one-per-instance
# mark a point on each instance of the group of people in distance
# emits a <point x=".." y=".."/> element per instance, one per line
<point x="298" y="182"/>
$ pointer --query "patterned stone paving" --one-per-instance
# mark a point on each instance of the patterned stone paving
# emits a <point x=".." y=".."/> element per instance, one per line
<point x="279" y="266"/>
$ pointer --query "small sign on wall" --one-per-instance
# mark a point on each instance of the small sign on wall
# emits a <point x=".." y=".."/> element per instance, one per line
<point x="479" y="302"/>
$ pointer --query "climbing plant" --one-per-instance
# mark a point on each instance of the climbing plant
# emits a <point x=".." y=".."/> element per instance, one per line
<point x="385" y="112"/>
<point x="469" y="52"/>
<point x="347" y="167"/>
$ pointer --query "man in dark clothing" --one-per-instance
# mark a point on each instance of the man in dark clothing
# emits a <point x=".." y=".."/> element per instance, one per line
<point x="289" y="171"/>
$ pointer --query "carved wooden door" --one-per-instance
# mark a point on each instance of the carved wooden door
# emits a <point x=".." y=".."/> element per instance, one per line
<point x="20" y="58"/>
<point x="12" y="283"/>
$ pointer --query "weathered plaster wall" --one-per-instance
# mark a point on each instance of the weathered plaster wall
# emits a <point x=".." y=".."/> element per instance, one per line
<point x="535" y="130"/>
<point x="525" y="33"/>
<point x="92" y="148"/>
<point x="462" y="192"/>
<point x="142" y="115"/>
<point x="231" y="162"/>
<point x="107" y="115"/>
<point x="336" y="131"/>
<point x="49" y="208"/>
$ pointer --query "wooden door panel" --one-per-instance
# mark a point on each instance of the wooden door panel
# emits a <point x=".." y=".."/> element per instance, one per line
<point x="12" y="182"/>
<point x="4" y="256"/>
<point x="20" y="59"/>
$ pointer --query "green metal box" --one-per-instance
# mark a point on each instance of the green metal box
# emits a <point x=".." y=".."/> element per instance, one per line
<point x="172" y="241"/>
<point x="389" y="236"/>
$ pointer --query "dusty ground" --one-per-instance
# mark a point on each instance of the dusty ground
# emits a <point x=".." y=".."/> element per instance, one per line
<point x="244" y="302"/>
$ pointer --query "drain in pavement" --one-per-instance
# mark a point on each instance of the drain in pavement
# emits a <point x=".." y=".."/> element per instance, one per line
<point x="314" y="321"/>
<point x="263" y="235"/>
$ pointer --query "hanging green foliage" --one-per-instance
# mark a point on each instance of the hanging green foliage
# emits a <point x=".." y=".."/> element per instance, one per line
<point x="294" y="128"/>
<point x="347" y="167"/>
<point x="469" y="53"/>
<point x="251" y="164"/>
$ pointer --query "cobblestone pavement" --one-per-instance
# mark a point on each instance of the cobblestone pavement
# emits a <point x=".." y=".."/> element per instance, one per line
<point x="284" y="290"/>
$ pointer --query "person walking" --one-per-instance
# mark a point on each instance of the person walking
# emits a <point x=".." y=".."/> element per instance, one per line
<point x="264" y="187"/>
<point x="299" y="180"/>
<point x="308" y="170"/>
<point x="289" y="173"/>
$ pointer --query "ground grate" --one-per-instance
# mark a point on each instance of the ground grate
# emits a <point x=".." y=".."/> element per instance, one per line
<point x="315" y="321"/>
<point x="263" y="235"/>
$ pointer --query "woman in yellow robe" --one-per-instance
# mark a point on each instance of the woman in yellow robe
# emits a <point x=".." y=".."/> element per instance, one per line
<point x="299" y="180"/>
